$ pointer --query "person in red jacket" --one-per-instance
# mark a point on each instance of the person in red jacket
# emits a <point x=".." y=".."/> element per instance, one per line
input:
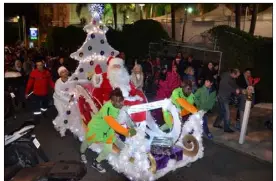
<point x="39" y="81"/>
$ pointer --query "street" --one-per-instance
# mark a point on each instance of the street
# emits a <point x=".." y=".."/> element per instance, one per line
<point x="218" y="164"/>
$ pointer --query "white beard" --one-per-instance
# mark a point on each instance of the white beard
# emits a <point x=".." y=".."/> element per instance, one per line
<point x="119" y="78"/>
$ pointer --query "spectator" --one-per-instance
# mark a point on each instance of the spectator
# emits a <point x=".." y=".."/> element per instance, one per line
<point x="147" y="67"/>
<point x="173" y="78"/>
<point x="179" y="63"/>
<point x="189" y="75"/>
<point x="216" y="76"/>
<point x="148" y="74"/>
<point x="207" y="71"/>
<point x="56" y="67"/>
<point x="163" y="91"/>
<point x="18" y="67"/>
<point x="28" y="66"/>
<point x="243" y="82"/>
<point x="137" y="77"/>
<point x="40" y="80"/>
<point x="193" y="63"/>
<point x="205" y="99"/>
<point x="227" y="86"/>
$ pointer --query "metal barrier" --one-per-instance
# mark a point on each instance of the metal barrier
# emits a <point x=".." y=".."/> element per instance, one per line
<point x="171" y="48"/>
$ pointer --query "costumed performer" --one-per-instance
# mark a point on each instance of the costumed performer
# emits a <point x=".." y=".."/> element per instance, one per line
<point x="117" y="76"/>
<point x="205" y="98"/>
<point x="102" y="128"/>
<point x="61" y="98"/>
<point x="183" y="99"/>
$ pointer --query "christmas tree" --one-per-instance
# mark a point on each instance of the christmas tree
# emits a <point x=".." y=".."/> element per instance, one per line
<point x="95" y="50"/>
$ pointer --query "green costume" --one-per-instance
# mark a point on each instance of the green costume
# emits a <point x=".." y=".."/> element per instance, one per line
<point x="99" y="127"/>
<point x="102" y="129"/>
<point x="177" y="94"/>
<point x="204" y="99"/>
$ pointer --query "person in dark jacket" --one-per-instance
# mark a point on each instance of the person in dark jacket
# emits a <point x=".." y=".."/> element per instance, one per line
<point x="226" y="88"/>
<point x="242" y="82"/>
<point x="207" y="71"/>
<point x="40" y="80"/>
<point x="179" y="62"/>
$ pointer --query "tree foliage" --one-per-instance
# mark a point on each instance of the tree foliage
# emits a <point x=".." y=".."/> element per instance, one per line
<point x="243" y="50"/>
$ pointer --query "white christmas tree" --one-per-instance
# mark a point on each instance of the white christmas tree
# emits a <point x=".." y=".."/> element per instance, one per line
<point x="95" y="50"/>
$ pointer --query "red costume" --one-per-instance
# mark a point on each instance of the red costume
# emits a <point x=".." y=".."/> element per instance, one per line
<point x="103" y="89"/>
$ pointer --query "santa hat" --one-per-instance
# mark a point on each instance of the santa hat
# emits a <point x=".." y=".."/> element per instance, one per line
<point x="98" y="69"/>
<point x="177" y="58"/>
<point x="115" y="61"/>
<point x="60" y="69"/>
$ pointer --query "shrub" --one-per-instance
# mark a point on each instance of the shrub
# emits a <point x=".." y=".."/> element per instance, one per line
<point x="242" y="50"/>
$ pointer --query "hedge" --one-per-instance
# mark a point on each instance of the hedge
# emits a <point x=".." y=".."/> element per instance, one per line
<point x="242" y="50"/>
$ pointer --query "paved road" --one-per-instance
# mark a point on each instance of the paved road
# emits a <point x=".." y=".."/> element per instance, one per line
<point x="218" y="163"/>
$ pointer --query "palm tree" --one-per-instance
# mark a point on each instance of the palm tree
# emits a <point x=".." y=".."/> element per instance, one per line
<point x="253" y="19"/>
<point x="238" y="16"/>
<point x="173" y="20"/>
<point x="114" y="9"/>
<point x="79" y="8"/>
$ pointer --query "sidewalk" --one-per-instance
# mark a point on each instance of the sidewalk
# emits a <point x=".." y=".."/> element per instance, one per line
<point x="258" y="143"/>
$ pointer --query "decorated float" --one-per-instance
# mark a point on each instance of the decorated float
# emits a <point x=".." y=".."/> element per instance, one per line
<point x="151" y="153"/>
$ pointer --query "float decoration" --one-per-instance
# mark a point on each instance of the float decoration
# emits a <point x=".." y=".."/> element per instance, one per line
<point x="136" y="158"/>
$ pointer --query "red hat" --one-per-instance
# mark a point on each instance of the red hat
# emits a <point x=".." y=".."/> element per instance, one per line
<point x="98" y="69"/>
<point x="177" y="57"/>
<point x="109" y="59"/>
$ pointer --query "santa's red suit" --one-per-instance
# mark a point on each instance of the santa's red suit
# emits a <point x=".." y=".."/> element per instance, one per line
<point x="104" y="83"/>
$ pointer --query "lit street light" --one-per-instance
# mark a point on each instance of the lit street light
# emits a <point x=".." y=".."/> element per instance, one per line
<point x="18" y="17"/>
<point x="190" y="10"/>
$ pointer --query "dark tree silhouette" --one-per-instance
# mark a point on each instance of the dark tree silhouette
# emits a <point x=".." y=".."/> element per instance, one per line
<point x="173" y="20"/>
<point x="238" y="15"/>
<point x="253" y="19"/>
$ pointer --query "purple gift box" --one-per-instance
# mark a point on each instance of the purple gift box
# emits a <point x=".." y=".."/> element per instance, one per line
<point x="161" y="161"/>
<point x="177" y="153"/>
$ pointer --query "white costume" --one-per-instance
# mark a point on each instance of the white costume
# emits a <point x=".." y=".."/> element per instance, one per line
<point x="61" y="98"/>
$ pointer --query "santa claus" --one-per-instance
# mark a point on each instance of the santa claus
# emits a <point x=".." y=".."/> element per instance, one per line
<point x="117" y="76"/>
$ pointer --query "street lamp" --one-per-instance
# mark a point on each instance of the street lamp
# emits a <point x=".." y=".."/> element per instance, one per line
<point x="190" y="10"/>
<point x="141" y="10"/>
<point x="18" y="17"/>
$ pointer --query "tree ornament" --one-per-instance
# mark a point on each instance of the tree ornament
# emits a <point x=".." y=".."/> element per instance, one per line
<point x="92" y="35"/>
<point x="112" y="53"/>
<point x="102" y="53"/>
<point x="96" y="10"/>
<point x="101" y="27"/>
<point x="91" y="62"/>
<point x="81" y="70"/>
<point x="90" y="48"/>
<point x="68" y="112"/>
<point x="102" y="41"/>
<point x="80" y="54"/>
<point x="76" y="78"/>
<point x="65" y="121"/>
